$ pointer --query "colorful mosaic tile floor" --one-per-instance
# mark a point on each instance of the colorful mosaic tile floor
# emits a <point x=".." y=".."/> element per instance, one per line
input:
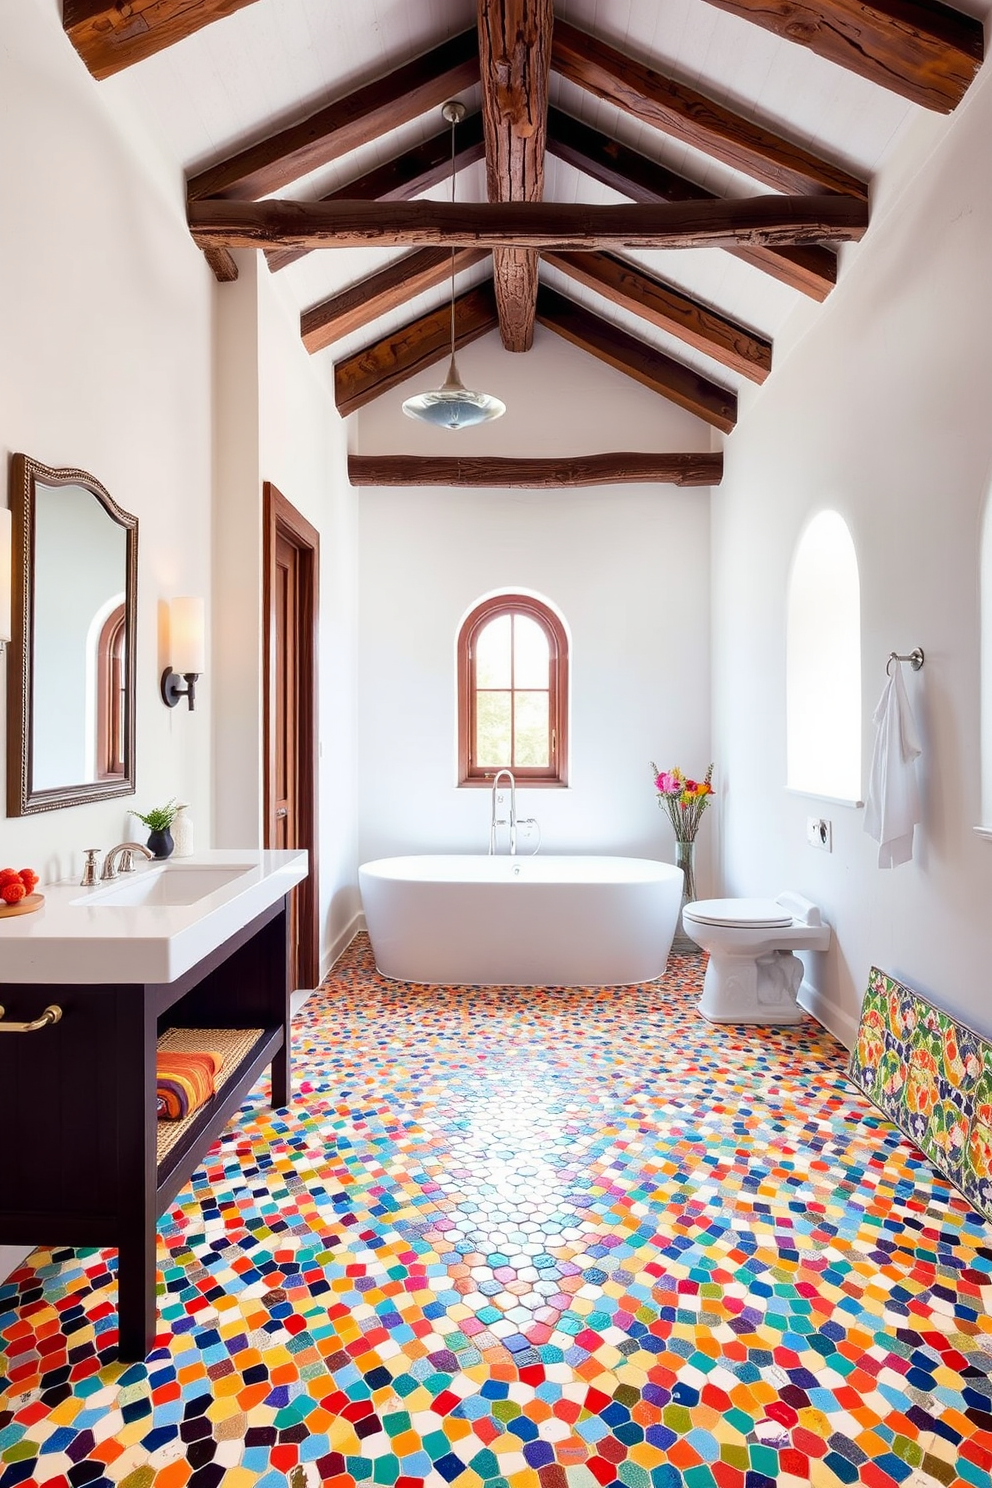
<point x="529" y="1239"/>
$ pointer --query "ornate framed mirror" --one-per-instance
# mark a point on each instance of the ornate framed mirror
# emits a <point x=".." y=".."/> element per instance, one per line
<point x="71" y="667"/>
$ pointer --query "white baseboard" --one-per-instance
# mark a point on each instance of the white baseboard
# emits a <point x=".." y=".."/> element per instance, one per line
<point x="341" y="942"/>
<point x="834" y="1019"/>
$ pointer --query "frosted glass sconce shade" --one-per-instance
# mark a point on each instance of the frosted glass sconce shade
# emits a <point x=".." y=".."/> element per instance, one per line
<point x="5" y="576"/>
<point x="187" y="648"/>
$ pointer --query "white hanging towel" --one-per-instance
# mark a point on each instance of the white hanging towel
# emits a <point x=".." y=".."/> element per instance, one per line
<point x="892" y="808"/>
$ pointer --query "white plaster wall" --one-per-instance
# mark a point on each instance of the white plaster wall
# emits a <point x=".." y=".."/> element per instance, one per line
<point x="237" y="564"/>
<point x="105" y="364"/>
<point x="303" y="451"/>
<point x="627" y="566"/>
<point x="559" y="401"/>
<point x="881" y="410"/>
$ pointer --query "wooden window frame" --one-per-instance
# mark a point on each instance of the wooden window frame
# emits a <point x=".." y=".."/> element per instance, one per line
<point x="110" y="674"/>
<point x="556" y="773"/>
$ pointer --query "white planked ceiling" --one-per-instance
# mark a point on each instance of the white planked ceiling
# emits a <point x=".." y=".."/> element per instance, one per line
<point x="276" y="61"/>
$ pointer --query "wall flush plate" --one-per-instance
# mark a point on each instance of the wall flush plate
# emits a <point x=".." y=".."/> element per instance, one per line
<point x="819" y="833"/>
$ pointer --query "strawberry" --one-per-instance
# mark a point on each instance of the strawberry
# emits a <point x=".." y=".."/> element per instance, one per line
<point x="13" y="891"/>
<point x="7" y="875"/>
<point x="29" y="879"/>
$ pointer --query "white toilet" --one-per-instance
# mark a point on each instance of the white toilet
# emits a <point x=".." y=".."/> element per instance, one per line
<point x="753" y="975"/>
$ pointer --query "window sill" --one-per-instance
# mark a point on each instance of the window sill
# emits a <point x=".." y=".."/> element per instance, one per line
<point x="524" y="784"/>
<point x="791" y="790"/>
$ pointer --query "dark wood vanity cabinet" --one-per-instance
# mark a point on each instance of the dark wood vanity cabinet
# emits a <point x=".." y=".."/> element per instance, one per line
<point x="78" y="1127"/>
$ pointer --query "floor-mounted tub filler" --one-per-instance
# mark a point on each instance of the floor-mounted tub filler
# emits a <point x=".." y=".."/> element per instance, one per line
<point x="545" y="921"/>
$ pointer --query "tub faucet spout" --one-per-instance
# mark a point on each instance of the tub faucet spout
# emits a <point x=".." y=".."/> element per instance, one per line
<point x="495" y="821"/>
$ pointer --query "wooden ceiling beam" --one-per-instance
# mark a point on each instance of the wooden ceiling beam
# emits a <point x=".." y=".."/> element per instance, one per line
<point x="920" y="49"/>
<point x="341" y="126"/>
<point x="810" y="268"/>
<point x="623" y="467"/>
<point x="110" y="35"/>
<point x="633" y="289"/>
<point x="379" y="293"/>
<point x="405" y="176"/>
<point x="379" y="368"/>
<point x="564" y="227"/>
<point x="514" y="65"/>
<point x="645" y="364"/>
<point x="696" y="120"/>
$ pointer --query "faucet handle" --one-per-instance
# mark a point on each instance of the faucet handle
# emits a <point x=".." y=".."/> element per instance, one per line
<point x="89" y="869"/>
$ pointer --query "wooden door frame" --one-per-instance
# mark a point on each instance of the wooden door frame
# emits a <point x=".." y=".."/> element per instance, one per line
<point x="281" y="519"/>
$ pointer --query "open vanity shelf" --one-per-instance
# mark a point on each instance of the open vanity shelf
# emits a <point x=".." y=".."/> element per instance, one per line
<point x="82" y="1161"/>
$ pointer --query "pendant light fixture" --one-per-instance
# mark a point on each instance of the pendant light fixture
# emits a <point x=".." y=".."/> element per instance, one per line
<point x="452" y="405"/>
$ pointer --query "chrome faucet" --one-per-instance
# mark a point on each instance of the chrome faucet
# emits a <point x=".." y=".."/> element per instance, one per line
<point x="495" y="821"/>
<point x="126" y="851"/>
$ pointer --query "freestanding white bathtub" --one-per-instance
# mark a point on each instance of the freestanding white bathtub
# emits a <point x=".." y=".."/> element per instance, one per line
<point x="521" y="921"/>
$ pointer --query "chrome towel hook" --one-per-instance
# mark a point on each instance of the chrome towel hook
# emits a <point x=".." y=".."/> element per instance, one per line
<point x="915" y="659"/>
<point x="50" y="1016"/>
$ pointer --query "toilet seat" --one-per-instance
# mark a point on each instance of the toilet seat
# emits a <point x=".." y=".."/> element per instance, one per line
<point x="745" y="914"/>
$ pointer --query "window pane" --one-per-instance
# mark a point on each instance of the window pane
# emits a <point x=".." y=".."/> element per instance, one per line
<point x="823" y="666"/>
<point x="530" y="653"/>
<point x="531" y="737"/>
<point x="492" y="654"/>
<point x="492" y="735"/>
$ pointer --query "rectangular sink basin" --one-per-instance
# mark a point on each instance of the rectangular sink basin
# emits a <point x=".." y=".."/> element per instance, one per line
<point x="164" y="886"/>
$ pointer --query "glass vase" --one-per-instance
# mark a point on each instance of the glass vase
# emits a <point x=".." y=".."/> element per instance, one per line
<point x="685" y="858"/>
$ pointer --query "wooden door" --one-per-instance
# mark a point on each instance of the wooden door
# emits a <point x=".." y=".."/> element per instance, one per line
<point x="292" y="556"/>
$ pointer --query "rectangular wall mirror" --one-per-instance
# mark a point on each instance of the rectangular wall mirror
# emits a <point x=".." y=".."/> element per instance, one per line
<point x="70" y="671"/>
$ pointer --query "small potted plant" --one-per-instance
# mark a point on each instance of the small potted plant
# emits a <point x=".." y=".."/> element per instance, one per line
<point x="158" y="821"/>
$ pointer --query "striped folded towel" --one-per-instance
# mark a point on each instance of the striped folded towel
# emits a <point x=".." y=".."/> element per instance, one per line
<point x="184" y="1079"/>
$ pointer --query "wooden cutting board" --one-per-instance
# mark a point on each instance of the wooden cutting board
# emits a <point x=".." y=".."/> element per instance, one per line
<point x="27" y="905"/>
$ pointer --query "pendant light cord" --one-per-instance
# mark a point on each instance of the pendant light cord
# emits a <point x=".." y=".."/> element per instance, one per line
<point x="454" y="122"/>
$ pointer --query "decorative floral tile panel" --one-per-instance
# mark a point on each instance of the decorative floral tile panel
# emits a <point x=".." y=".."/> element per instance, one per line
<point x="933" y="1078"/>
<point x="509" y="1238"/>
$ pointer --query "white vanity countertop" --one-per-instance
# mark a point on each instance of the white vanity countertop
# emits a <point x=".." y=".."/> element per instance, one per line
<point x="79" y="936"/>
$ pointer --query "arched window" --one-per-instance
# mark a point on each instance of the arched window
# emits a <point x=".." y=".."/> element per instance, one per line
<point x="513" y="692"/>
<point x="823" y="663"/>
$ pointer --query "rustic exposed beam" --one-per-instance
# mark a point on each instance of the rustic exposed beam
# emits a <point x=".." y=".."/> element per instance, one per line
<point x="225" y="270"/>
<point x="110" y="35"/>
<point x="918" y="48"/>
<point x="693" y="118"/>
<point x="405" y="176"/>
<point x="413" y="348"/>
<point x="632" y="288"/>
<point x="559" y="225"/>
<point x="341" y="126"/>
<point x="538" y="474"/>
<point x="662" y="374"/>
<point x="514" y="65"/>
<point x="808" y="268"/>
<point x="373" y="296"/>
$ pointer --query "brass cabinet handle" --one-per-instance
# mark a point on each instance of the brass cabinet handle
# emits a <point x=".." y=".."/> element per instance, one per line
<point x="51" y="1015"/>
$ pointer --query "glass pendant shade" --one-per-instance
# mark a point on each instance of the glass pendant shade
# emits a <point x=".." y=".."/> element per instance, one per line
<point x="452" y="405"/>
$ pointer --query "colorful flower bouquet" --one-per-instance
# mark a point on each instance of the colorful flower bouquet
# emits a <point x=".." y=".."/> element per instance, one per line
<point x="684" y="799"/>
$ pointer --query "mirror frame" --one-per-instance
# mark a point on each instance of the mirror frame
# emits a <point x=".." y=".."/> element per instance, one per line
<point x="22" y="798"/>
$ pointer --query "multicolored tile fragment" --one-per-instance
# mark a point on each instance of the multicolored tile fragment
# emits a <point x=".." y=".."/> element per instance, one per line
<point x="529" y="1239"/>
<point x="932" y="1076"/>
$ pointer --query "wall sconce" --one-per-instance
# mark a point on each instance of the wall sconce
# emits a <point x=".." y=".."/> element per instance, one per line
<point x="186" y="647"/>
<point x="5" y="576"/>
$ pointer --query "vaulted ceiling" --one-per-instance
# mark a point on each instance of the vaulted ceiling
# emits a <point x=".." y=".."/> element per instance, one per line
<point x="658" y="184"/>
